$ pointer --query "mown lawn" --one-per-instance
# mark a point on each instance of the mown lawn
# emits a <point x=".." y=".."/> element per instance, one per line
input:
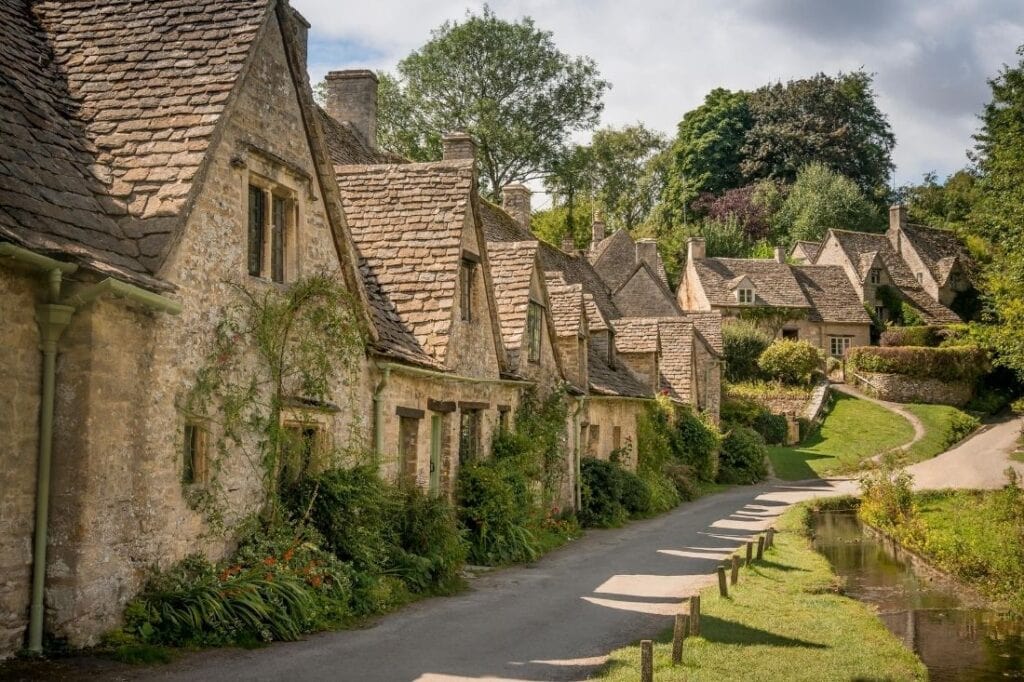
<point x="854" y="430"/>
<point x="784" y="621"/>
<point x="938" y="423"/>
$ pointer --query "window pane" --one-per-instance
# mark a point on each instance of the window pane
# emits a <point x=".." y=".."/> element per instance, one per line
<point x="257" y="219"/>
<point x="277" y="240"/>
<point x="188" y="474"/>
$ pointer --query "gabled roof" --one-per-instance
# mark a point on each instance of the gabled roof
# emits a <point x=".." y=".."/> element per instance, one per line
<point x="676" y="366"/>
<point x="636" y="334"/>
<point x="809" y="249"/>
<point x="614" y="258"/>
<point x="928" y="308"/>
<point x="938" y="249"/>
<point x="708" y="325"/>
<point x="346" y="147"/>
<point x="655" y="300"/>
<point x="567" y="307"/>
<point x="596" y="320"/>
<point x="774" y="282"/>
<point x="108" y="111"/>
<point x="857" y="244"/>
<point x="407" y="221"/>
<point x="614" y="381"/>
<point x="512" y="266"/>
<point x="832" y="296"/>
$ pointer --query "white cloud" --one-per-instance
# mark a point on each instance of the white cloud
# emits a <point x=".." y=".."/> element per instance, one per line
<point x="930" y="59"/>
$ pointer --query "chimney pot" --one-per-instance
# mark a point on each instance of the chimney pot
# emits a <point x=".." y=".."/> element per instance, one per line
<point x="515" y="198"/>
<point x="458" y="145"/>
<point x="352" y="97"/>
<point x="780" y="254"/>
<point x="897" y="217"/>
<point x="597" y="229"/>
<point x="647" y="252"/>
<point x="696" y="249"/>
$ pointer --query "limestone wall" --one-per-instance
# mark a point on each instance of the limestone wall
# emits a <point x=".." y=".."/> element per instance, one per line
<point x="607" y="413"/>
<point x="903" y="389"/>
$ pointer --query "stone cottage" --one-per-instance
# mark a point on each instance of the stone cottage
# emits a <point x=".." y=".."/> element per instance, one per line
<point x="155" y="159"/>
<point x="814" y="303"/>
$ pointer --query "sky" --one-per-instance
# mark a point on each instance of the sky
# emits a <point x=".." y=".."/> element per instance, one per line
<point x="930" y="58"/>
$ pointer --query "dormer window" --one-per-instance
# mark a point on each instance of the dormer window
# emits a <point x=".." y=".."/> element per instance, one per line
<point x="745" y="295"/>
<point x="876" y="276"/>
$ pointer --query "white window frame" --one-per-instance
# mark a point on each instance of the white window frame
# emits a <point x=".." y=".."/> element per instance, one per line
<point x="745" y="295"/>
<point x="875" y="277"/>
<point x="840" y="344"/>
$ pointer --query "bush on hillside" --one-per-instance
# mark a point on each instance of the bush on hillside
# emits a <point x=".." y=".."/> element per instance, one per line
<point x="791" y="362"/>
<point x="742" y="345"/>
<point x="744" y="457"/>
<point x="956" y="363"/>
<point x="959" y="426"/>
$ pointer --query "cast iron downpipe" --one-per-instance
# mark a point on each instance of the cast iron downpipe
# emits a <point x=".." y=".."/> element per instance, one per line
<point x="53" y="318"/>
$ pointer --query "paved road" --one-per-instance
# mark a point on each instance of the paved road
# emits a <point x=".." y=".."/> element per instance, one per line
<point x="978" y="462"/>
<point x="553" y="620"/>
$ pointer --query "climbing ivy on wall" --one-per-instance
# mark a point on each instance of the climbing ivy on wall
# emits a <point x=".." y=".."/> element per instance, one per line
<point x="771" y="319"/>
<point x="273" y="350"/>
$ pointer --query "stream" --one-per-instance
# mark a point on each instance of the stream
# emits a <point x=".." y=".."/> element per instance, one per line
<point x="956" y="639"/>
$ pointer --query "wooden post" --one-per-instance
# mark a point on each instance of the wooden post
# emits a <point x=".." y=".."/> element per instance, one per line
<point x="679" y="632"/>
<point x="760" y="547"/>
<point x="723" y="587"/>
<point x="750" y="552"/>
<point x="646" y="660"/>
<point x="695" y="615"/>
<point x="734" y="578"/>
<point x="770" y="542"/>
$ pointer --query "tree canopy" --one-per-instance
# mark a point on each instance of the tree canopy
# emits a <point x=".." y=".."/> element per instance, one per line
<point x="505" y="83"/>
<point x="821" y="199"/>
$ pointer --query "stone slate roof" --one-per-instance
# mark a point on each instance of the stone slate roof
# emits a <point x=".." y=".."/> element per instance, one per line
<point x="346" y="147"/>
<point x="109" y="108"/>
<point x="858" y="247"/>
<point x="614" y="258"/>
<point x="635" y="299"/>
<point x="938" y="249"/>
<point x="930" y="310"/>
<point x="566" y="301"/>
<point x="810" y="249"/>
<point x="676" y="366"/>
<point x="774" y="282"/>
<point x="596" y="321"/>
<point x="708" y="324"/>
<point x="614" y="381"/>
<point x="832" y="296"/>
<point x="406" y="221"/>
<point x="636" y="334"/>
<point x="512" y="265"/>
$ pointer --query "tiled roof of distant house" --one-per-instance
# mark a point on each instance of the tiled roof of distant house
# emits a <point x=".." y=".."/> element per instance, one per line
<point x="636" y="334"/>
<point x="832" y="296"/>
<point x="512" y="265"/>
<point x="774" y="282"/>
<point x="938" y="249"/>
<point x="676" y="366"/>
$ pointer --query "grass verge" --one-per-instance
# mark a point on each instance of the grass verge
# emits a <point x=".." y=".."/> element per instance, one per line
<point x="944" y="427"/>
<point x="853" y="431"/>
<point x="784" y="621"/>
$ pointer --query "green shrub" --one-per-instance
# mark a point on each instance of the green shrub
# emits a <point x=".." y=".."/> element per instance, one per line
<point x="602" y="491"/>
<point x="495" y="509"/>
<point x="887" y="501"/>
<point x="929" y="335"/>
<point x="695" y="443"/>
<point x="432" y="549"/>
<point x="959" y="426"/>
<point x="636" y="494"/>
<point x="909" y="315"/>
<point x="791" y="362"/>
<point x="684" y="479"/>
<point x="743" y="458"/>
<point x="772" y="427"/>
<point x="957" y="363"/>
<point x="742" y="344"/>
<point x="751" y="413"/>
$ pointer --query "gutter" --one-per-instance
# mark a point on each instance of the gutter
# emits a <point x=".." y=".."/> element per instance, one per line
<point x="436" y="374"/>
<point x="53" y="318"/>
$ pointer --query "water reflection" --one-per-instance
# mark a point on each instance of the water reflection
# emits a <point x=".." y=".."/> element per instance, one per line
<point x="955" y="640"/>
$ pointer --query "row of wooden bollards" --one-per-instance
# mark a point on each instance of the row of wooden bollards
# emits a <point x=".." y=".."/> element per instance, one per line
<point x="688" y="624"/>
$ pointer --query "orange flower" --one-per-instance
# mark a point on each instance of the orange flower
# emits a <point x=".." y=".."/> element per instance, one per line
<point x="289" y="553"/>
<point x="316" y="581"/>
<point x="269" y="561"/>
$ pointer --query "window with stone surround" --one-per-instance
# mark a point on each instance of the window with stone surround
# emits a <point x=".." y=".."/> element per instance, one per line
<point x="195" y="458"/>
<point x="467" y="285"/>
<point x="272" y="233"/>
<point x="745" y="295"/>
<point x="304" y="444"/>
<point x="790" y="334"/>
<point x="876" y="276"/>
<point x="534" y="322"/>
<point x="594" y="439"/>
<point x="838" y="345"/>
<point x="470" y="420"/>
<point x="408" y="440"/>
<point x="616" y="437"/>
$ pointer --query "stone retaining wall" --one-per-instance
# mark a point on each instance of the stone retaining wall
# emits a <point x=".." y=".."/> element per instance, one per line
<point x="900" y="388"/>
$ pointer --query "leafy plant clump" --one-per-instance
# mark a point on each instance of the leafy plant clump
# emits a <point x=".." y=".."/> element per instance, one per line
<point x="611" y="494"/>
<point x="743" y="343"/>
<point x="791" y="362"/>
<point x="957" y="363"/>
<point x="744" y="457"/>
<point x="929" y="336"/>
<point x="749" y="412"/>
<point x="695" y="442"/>
<point x="496" y="510"/>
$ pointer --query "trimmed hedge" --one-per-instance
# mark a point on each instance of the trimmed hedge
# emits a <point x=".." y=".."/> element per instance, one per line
<point x="791" y="362"/>
<point x="956" y="363"/>
<point x="929" y="335"/>
<point x="742" y="345"/>
<point x="744" y="457"/>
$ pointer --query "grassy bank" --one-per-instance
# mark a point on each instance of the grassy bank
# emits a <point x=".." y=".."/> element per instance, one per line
<point x="784" y="621"/>
<point x="944" y="426"/>
<point x="854" y="430"/>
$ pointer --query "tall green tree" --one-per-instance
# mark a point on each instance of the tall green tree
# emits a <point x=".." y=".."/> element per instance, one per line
<point x="829" y="120"/>
<point x="707" y="151"/>
<point x="628" y="173"/>
<point x="821" y="199"/>
<point x="942" y="204"/>
<point x="998" y="216"/>
<point x="505" y="83"/>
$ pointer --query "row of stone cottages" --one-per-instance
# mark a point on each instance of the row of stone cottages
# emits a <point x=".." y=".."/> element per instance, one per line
<point x="154" y="157"/>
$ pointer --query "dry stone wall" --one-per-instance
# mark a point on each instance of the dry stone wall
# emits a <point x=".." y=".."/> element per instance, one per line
<point x="900" y="388"/>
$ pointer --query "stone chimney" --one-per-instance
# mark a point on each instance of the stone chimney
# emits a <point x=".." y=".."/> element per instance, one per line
<point x="458" y="145"/>
<point x="647" y="252"/>
<point x="780" y="254"/>
<point x="897" y="217"/>
<point x="515" y="199"/>
<point x="568" y="244"/>
<point x="597" y="228"/>
<point x="352" y="97"/>
<point x="300" y="28"/>
<point x="695" y="249"/>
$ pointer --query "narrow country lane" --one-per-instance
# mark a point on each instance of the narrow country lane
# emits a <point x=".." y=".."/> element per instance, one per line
<point x="553" y="620"/>
<point x="980" y="461"/>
